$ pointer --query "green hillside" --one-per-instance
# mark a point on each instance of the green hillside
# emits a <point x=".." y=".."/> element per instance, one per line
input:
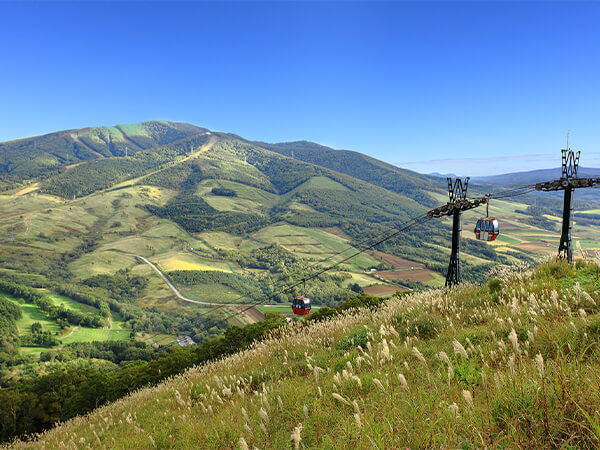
<point x="363" y="167"/>
<point x="512" y="363"/>
<point x="38" y="157"/>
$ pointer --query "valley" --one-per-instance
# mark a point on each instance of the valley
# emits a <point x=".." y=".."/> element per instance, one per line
<point x="203" y="231"/>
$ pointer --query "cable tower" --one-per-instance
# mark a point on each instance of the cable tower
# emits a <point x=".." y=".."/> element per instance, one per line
<point x="457" y="192"/>
<point x="458" y="202"/>
<point x="568" y="182"/>
<point x="12" y="232"/>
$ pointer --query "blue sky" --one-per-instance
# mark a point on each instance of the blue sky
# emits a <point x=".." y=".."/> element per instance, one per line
<point x="472" y="88"/>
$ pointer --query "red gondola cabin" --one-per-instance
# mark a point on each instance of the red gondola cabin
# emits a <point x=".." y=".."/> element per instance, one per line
<point x="487" y="229"/>
<point x="301" y="306"/>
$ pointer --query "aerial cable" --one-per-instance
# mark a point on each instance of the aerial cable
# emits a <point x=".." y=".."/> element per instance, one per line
<point x="382" y="237"/>
<point x="414" y="222"/>
<point x="520" y="190"/>
<point x="406" y="226"/>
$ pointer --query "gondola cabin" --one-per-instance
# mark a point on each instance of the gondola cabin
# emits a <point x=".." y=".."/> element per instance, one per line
<point x="301" y="306"/>
<point x="487" y="229"/>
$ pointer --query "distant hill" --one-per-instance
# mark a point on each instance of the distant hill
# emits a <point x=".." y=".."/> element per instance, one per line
<point x="443" y="175"/>
<point x="532" y="176"/>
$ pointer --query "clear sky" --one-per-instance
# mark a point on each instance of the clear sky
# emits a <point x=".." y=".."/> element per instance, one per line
<point x="472" y="88"/>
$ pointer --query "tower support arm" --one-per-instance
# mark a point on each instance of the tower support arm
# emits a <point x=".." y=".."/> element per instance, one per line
<point x="459" y="205"/>
<point x="563" y="183"/>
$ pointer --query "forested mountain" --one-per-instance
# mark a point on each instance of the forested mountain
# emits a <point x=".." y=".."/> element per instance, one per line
<point x="38" y="156"/>
<point x="363" y="167"/>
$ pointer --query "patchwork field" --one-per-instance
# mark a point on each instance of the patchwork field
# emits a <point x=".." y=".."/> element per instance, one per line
<point x="407" y="274"/>
<point x="395" y="261"/>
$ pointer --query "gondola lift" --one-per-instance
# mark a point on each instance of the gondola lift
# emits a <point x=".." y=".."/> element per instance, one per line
<point x="301" y="304"/>
<point x="487" y="229"/>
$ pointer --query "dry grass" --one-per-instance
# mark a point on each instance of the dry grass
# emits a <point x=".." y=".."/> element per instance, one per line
<point x="512" y="364"/>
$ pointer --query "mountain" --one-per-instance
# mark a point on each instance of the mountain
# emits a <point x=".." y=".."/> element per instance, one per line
<point x="363" y="167"/>
<point x="533" y="176"/>
<point x="443" y="175"/>
<point x="38" y="156"/>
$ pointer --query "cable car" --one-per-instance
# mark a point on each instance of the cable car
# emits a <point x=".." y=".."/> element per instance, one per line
<point x="301" y="306"/>
<point x="487" y="229"/>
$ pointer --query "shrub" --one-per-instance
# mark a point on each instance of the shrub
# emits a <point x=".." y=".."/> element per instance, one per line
<point x="354" y="339"/>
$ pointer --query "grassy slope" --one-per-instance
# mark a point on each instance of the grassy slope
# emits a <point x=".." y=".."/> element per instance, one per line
<point x="520" y="367"/>
<point x="36" y="156"/>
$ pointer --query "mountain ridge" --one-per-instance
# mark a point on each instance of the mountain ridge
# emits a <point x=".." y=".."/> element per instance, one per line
<point x="533" y="176"/>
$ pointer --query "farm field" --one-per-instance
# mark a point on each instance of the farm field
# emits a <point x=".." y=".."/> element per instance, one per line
<point x="421" y="275"/>
<point x="395" y="261"/>
<point x="274" y="308"/>
<point x="177" y="260"/>
<point x="362" y="279"/>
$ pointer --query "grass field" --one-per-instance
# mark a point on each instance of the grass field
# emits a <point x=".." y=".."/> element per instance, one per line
<point x="187" y="261"/>
<point x="81" y="334"/>
<point x="421" y="275"/>
<point x="504" y="238"/>
<point x="314" y="243"/>
<point x="247" y="199"/>
<point x="72" y="304"/>
<point x="362" y="279"/>
<point x="32" y="313"/>
<point x="317" y="183"/>
<point x="217" y="293"/>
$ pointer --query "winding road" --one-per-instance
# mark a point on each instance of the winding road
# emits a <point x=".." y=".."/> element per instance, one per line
<point x="174" y="289"/>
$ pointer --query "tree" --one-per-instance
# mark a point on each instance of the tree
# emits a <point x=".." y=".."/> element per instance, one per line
<point x="36" y="327"/>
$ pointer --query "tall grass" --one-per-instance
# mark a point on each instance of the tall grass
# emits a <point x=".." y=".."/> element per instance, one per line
<point x="510" y="364"/>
